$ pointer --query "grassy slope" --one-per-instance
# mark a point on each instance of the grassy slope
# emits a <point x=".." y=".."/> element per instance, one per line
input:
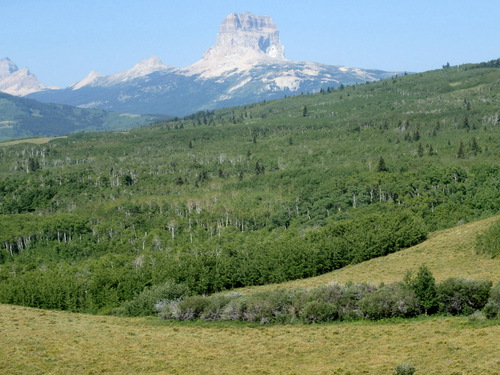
<point x="447" y="253"/>
<point x="37" y="341"/>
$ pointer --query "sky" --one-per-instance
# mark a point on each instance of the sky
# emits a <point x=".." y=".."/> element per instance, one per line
<point x="61" y="41"/>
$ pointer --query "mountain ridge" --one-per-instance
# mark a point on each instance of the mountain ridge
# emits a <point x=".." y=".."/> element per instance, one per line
<point x="247" y="64"/>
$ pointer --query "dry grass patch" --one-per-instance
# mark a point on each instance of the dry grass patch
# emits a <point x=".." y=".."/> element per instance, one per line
<point x="37" y="341"/>
<point x="447" y="253"/>
<point x="36" y="141"/>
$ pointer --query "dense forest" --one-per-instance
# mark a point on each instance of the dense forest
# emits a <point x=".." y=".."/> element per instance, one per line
<point x="248" y="195"/>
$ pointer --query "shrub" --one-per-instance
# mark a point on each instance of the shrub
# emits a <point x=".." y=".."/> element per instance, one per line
<point x="405" y="369"/>
<point x="168" y="309"/>
<point x="269" y="307"/>
<point x="319" y="311"/>
<point x="488" y="242"/>
<point x="345" y="298"/>
<point x="492" y="307"/>
<point x="191" y="308"/>
<point x="390" y="301"/>
<point x="215" y="306"/>
<point x="145" y="302"/>
<point x="235" y="309"/>
<point x="462" y="296"/>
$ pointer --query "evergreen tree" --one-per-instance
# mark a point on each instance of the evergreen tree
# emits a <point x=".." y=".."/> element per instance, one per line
<point x="381" y="167"/>
<point x="304" y="111"/>
<point x="474" y="146"/>
<point x="424" y="287"/>
<point x="420" y="150"/>
<point x="33" y="164"/>
<point x="461" y="151"/>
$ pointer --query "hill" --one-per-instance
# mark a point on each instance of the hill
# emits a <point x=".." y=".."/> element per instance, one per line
<point x="251" y="195"/>
<point x="21" y="118"/>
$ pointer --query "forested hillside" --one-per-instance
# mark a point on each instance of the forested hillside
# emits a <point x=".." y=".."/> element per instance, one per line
<point x="21" y="117"/>
<point x="250" y="195"/>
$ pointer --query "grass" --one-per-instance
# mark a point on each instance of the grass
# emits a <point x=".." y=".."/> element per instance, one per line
<point x="36" y="141"/>
<point x="447" y="253"/>
<point x="38" y="341"/>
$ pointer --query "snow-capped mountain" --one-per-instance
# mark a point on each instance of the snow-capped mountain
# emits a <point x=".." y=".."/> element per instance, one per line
<point x="141" y="69"/>
<point x="15" y="81"/>
<point x="246" y="64"/>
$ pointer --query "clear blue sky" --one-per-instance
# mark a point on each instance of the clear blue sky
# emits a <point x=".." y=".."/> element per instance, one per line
<point x="61" y="41"/>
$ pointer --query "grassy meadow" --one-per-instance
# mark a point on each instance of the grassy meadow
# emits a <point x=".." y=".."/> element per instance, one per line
<point x="37" y="341"/>
<point x="55" y="342"/>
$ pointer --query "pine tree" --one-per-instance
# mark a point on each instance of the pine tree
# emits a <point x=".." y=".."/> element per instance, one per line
<point x="381" y="167"/>
<point x="474" y="146"/>
<point x="420" y="150"/>
<point x="461" y="151"/>
<point x="424" y="286"/>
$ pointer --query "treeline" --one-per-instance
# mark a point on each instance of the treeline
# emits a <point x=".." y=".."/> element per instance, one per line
<point x="235" y="259"/>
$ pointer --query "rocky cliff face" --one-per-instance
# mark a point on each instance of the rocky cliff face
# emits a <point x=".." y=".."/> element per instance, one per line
<point x="244" y="40"/>
<point x="17" y="82"/>
<point x="247" y="35"/>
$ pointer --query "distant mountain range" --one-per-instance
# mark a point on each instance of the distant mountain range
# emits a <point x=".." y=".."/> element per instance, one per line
<point x="247" y="64"/>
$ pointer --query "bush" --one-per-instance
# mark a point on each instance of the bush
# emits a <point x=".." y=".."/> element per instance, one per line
<point x="390" y="301"/>
<point x="405" y="369"/>
<point x="191" y="308"/>
<point x="319" y="311"/>
<point x="215" y="306"/>
<point x="462" y="296"/>
<point x="145" y="302"/>
<point x="345" y="298"/>
<point x="235" y="309"/>
<point x="492" y="307"/>
<point x="488" y="242"/>
<point x="271" y="307"/>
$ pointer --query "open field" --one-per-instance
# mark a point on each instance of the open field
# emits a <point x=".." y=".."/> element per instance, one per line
<point x="37" y="341"/>
<point x="447" y="253"/>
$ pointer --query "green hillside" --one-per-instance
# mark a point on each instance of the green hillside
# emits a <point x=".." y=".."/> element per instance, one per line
<point x="251" y="195"/>
<point x="21" y="118"/>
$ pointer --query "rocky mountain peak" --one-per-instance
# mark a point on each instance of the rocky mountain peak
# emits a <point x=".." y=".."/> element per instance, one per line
<point x="17" y="82"/>
<point x="7" y="67"/>
<point x="247" y="35"/>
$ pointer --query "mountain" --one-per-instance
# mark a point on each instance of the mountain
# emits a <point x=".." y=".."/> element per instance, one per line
<point x="246" y="64"/>
<point x="17" y="82"/>
<point x="22" y="117"/>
